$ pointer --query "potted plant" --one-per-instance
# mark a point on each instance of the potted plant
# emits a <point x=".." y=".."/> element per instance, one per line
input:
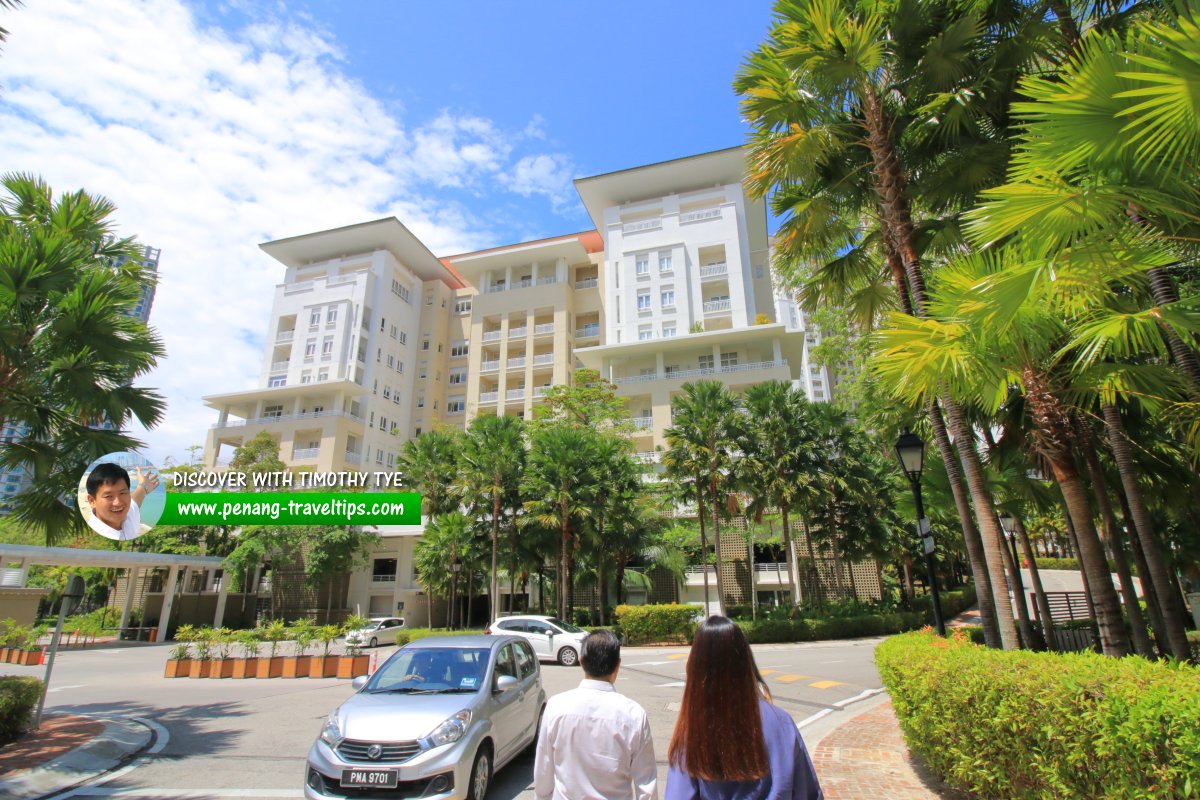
<point x="325" y="665"/>
<point x="179" y="661"/>
<point x="272" y="633"/>
<point x="8" y="635"/>
<point x="247" y="641"/>
<point x="353" y="663"/>
<point x="223" y="644"/>
<point x="202" y="663"/>
<point x="296" y="666"/>
<point x="31" y="654"/>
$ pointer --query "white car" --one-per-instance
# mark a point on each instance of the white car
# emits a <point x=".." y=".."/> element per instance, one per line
<point x="552" y="639"/>
<point x="381" y="630"/>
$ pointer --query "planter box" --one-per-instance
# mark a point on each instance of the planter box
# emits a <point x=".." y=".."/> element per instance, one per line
<point x="270" y="667"/>
<point x="323" y="667"/>
<point x="200" y="669"/>
<point x="353" y="666"/>
<point x="296" y="666"/>
<point x="245" y="668"/>
<point x="29" y="658"/>
<point x="178" y="668"/>
<point x="223" y="668"/>
<point x="7" y="654"/>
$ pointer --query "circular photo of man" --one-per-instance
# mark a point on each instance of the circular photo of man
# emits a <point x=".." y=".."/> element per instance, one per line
<point x="121" y="496"/>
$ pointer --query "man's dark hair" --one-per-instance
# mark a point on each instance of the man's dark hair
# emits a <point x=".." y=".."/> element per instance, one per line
<point x="601" y="653"/>
<point x="106" y="472"/>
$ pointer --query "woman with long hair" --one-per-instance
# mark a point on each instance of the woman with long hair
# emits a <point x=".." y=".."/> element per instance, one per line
<point x="730" y="742"/>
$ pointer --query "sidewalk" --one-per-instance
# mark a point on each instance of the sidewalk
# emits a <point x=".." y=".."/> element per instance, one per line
<point x="66" y="751"/>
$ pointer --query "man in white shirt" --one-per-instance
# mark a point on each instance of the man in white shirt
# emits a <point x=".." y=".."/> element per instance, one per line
<point x="594" y="744"/>
<point x="116" y="512"/>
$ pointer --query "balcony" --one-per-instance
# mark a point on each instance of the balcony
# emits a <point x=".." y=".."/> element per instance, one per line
<point x="643" y="423"/>
<point x="643" y="225"/>
<point x="543" y="360"/>
<point x="695" y="575"/>
<point x="702" y="371"/>
<point x="718" y="307"/>
<point x="283" y="337"/>
<point x="514" y="333"/>
<point x="488" y="397"/>
<point x="587" y="283"/>
<point x="648" y="457"/>
<point x="587" y="332"/>
<point x="547" y="281"/>
<point x="383" y="578"/>
<point x="279" y="366"/>
<point x="352" y="458"/>
<point x="305" y="453"/>
<point x="540" y="391"/>
<point x="491" y="336"/>
<point x="711" y="272"/>
<point x="239" y="423"/>
<point x="514" y="394"/>
<point x="516" y="363"/>
<point x="771" y="572"/>
<point x="489" y="366"/>
<point x="543" y="328"/>
<point x="698" y="216"/>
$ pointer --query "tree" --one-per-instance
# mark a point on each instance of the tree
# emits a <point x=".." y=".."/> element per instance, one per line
<point x="443" y="548"/>
<point x="428" y="464"/>
<point x="494" y="454"/>
<point x="618" y="479"/>
<point x="71" y="350"/>
<point x="590" y="401"/>
<point x="331" y="553"/>
<point x="259" y="456"/>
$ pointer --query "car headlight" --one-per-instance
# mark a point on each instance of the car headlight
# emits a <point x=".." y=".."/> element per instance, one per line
<point x="452" y="729"/>
<point x="331" y="734"/>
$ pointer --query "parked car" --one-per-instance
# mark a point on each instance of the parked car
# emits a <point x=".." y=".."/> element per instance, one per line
<point x="434" y="721"/>
<point x="381" y="630"/>
<point x="552" y="639"/>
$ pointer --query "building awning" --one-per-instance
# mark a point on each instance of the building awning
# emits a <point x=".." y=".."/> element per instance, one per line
<point x="105" y="559"/>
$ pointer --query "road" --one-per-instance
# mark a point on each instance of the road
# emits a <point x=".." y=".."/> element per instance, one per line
<point x="248" y="739"/>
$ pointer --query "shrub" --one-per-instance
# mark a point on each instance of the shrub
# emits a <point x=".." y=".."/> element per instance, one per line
<point x="412" y="634"/>
<point x="663" y="623"/>
<point x="1017" y="724"/>
<point x="248" y="641"/>
<point x="18" y="696"/>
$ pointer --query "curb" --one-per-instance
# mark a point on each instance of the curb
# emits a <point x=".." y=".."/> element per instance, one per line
<point x="120" y="742"/>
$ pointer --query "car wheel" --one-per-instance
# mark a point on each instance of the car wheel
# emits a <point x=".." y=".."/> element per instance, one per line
<point x="568" y="657"/>
<point x="481" y="774"/>
<point x="374" y="642"/>
<point x="531" y="748"/>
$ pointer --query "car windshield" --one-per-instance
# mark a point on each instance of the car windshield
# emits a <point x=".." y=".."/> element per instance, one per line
<point x="566" y="626"/>
<point x="431" y="670"/>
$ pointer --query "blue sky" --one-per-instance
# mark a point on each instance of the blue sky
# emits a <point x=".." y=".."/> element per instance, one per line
<point x="215" y="127"/>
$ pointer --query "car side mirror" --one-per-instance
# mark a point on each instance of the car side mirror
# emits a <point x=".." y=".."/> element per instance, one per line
<point x="358" y="683"/>
<point x="506" y="683"/>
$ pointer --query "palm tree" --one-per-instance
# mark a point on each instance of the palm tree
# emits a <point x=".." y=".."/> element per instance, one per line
<point x="705" y="425"/>
<point x="494" y="454"/>
<point x="428" y="464"/>
<point x="560" y="489"/>
<point x="70" y="348"/>
<point x="619" y="478"/>
<point x="446" y="554"/>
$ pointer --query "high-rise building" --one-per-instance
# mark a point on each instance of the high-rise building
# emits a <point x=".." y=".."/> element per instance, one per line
<point x="373" y="340"/>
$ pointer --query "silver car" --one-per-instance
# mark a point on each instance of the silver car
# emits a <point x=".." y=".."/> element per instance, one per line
<point x="379" y="630"/>
<point x="434" y="721"/>
<point x="551" y="638"/>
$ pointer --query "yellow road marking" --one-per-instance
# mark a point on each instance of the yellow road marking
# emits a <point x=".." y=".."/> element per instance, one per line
<point x="826" y="684"/>
<point x="677" y="656"/>
<point x="793" y="678"/>
<point x="768" y="672"/>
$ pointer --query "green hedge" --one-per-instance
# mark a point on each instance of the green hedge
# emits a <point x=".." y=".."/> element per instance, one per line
<point x="660" y="624"/>
<point x="18" y="696"/>
<point x="1016" y="724"/>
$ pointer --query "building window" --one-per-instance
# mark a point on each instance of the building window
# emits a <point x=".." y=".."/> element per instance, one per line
<point x="645" y="332"/>
<point x="378" y="355"/>
<point x="420" y="402"/>
<point x="382" y="423"/>
<point x="435" y="405"/>
<point x="306" y="376"/>
<point x="459" y="350"/>
<point x="643" y="299"/>
<point x="462" y="307"/>
<point x="392" y="332"/>
<point x="668" y="298"/>
<point x="279" y="380"/>
<point x="664" y="261"/>
<point x="273" y="411"/>
<point x="396" y="397"/>
<point x="371" y="423"/>
<point x="668" y="330"/>
<point x="401" y="291"/>
<point x="391" y="458"/>
<point x="424" y="372"/>
<point x="429" y="299"/>
<point x="706" y="362"/>
<point x="314" y="318"/>
<point x="387" y="392"/>
<point x="455" y="405"/>
<point x="400" y="367"/>
<point x="458" y="376"/>
<point x="327" y="347"/>
<point x="379" y="456"/>
<point x="310" y="348"/>
<point x="642" y="265"/>
<point x="424" y="344"/>
<point x="403" y="337"/>
<point x="729" y="360"/>
<point x="417" y="432"/>
<point x="391" y="362"/>
<point x="331" y="317"/>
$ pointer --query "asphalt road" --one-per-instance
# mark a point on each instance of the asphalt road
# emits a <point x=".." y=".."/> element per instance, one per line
<point x="248" y="739"/>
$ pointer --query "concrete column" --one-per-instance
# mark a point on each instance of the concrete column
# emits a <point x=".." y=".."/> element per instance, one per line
<point x="777" y="349"/>
<point x="716" y="357"/>
<point x="507" y="278"/>
<point x="164" y="618"/>
<point x="560" y="270"/>
<point x="222" y="596"/>
<point x="131" y="577"/>
<point x="659" y="364"/>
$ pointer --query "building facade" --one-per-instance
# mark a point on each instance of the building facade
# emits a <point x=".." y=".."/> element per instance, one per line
<point x="373" y="340"/>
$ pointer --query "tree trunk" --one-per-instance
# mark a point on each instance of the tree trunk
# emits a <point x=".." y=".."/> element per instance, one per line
<point x="789" y="555"/>
<point x="1018" y="597"/>
<point x="1113" y="639"/>
<point x="562" y="569"/>
<point x="837" y="559"/>
<point x="494" y="583"/>
<point x="1169" y="602"/>
<point x="541" y="573"/>
<point x="716" y="509"/>
<point x="1035" y="577"/>
<point x="703" y="545"/>
<point x="601" y="558"/>
<point x="429" y="604"/>
<point x="1139" y="558"/>
<point x="1185" y="357"/>
<point x="818" y="589"/>
<point x="1066" y="24"/>
<point x="909" y="590"/>
<point x="1112" y="535"/>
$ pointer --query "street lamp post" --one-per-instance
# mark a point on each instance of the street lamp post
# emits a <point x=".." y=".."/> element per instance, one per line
<point x="910" y="449"/>
<point x="68" y="602"/>
<point x="455" y="568"/>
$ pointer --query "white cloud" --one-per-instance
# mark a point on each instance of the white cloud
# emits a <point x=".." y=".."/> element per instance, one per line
<point x="548" y="174"/>
<point x="211" y="142"/>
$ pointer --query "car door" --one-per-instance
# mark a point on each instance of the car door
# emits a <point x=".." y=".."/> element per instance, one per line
<point x="507" y="707"/>
<point x="390" y="628"/>
<point x="540" y="635"/>
<point x="531" y="702"/>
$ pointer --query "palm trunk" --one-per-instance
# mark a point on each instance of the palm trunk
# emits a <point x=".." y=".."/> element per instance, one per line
<point x="1035" y="578"/>
<point x="1185" y="357"/>
<point x="541" y="573"/>
<point x="712" y="486"/>
<point x="1170" y="606"/>
<point x="789" y="556"/>
<point x="818" y="589"/>
<point x="1018" y="598"/>
<point x="494" y="583"/>
<point x="1143" y="569"/>
<point x="562" y="571"/>
<point x="909" y="591"/>
<point x="703" y="545"/>
<point x="1112" y="535"/>
<point x="429" y="604"/>
<point x="753" y="575"/>
<point x="837" y="559"/>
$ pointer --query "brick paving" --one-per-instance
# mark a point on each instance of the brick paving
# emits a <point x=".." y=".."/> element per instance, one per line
<point x="866" y="759"/>
<point x="58" y="735"/>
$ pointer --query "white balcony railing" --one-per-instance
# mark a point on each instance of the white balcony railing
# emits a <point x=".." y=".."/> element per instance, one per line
<point x="516" y="363"/>
<point x="643" y="225"/>
<point x="302" y="453"/>
<point x="648" y="457"/>
<point x="711" y="271"/>
<point x="696" y="574"/>
<point x="702" y="371"/>
<point x="279" y="366"/>
<point x="283" y="337"/>
<point x="540" y="391"/>
<point x="513" y="333"/>
<point x="489" y="366"/>
<point x="643" y="423"/>
<point x="587" y="283"/>
<point x="543" y="327"/>
<point x="514" y="394"/>
<point x="491" y="336"/>
<point x="239" y="423"/>
<point x="383" y="579"/>
<point x="544" y="358"/>
<point x="587" y="332"/>
<point x="697" y="216"/>
<point x="717" y="307"/>
<point x="771" y="572"/>
<point x="352" y="458"/>
<point x="547" y="281"/>
<point x="489" y="397"/>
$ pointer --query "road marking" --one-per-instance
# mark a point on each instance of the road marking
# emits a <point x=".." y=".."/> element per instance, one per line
<point x="826" y="684"/>
<point x="768" y="672"/>
<point x="834" y="662"/>
<point x="675" y="683"/>
<point x="861" y="696"/>
<point x="93" y="788"/>
<point x="677" y="656"/>
<point x="650" y="663"/>
<point x="793" y="678"/>
<point x="810" y="720"/>
<point x="186" y="794"/>
<point x="70" y="686"/>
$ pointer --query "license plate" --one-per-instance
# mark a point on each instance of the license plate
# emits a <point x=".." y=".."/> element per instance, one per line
<point x="383" y="778"/>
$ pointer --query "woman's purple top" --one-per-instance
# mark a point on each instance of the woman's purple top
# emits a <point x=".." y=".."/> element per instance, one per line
<point x="791" y="775"/>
